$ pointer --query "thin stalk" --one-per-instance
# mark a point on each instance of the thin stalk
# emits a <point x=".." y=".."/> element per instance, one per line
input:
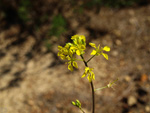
<point x="93" y="98"/>
<point x="92" y="86"/>
<point x="84" y="61"/>
<point x="79" y="59"/>
<point x="90" y="58"/>
<point x="82" y="110"/>
<point x="101" y="88"/>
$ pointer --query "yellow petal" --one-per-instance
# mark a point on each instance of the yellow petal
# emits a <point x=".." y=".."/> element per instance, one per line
<point x="92" y="44"/>
<point x="74" y="37"/>
<point x="89" y="78"/>
<point x="83" y="47"/>
<point x="98" y="47"/>
<point x="106" y="48"/>
<point x="83" y="75"/>
<point x="59" y="48"/>
<point x="93" y="52"/>
<point x="58" y="54"/>
<point x="83" y="38"/>
<point x="70" y="67"/>
<point x="78" y="52"/>
<point x="73" y="48"/>
<point x="62" y="57"/>
<point x="93" y="75"/>
<point x="105" y="55"/>
<point x="75" y="64"/>
<point x="87" y="69"/>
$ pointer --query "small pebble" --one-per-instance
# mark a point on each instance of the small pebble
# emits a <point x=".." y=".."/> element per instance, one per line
<point x="132" y="100"/>
<point x="115" y="53"/>
<point x="118" y="42"/>
<point x="147" y="109"/>
<point x="117" y="33"/>
<point x="127" y="78"/>
<point x="139" y="67"/>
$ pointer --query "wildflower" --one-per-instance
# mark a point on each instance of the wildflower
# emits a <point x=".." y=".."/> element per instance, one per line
<point x="111" y="84"/>
<point x="71" y="63"/>
<point x="99" y="51"/>
<point x="90" y="73"/>
<point x="66" y="53"/>
<point x="79" y="42"/>
<point x="77" y="104"/>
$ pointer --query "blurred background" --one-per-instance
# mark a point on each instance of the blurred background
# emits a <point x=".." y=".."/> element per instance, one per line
<point x="34" y="80"/>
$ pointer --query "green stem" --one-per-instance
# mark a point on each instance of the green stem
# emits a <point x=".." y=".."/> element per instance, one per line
<point x="82" y="110"/>
<point x="84" y="61"/>
<point x="93" y="97"/>
<point x="79" y="59"/>
<point x="100" y="88"/>
<point x="90" y="58"/>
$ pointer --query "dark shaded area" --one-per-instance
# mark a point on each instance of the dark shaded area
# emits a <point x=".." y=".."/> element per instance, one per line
<point x="124" y="100"/>
<point x="6" y="71"/>
<point x="18" y="42"/>
<point x="141" y="92"/>
<point x="2" y="54"/>
<point x="125" y="110"/>
<point x="31" y="15"/>
<point x="12" y="84"/>
<point x="142" y="102"/>
<point x="15" y="82"/>
<point x="17" y="74"/>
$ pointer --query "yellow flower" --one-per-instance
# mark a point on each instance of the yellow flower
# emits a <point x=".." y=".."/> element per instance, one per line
<point x="66" y="53"/>
<point x="90" y="73"/>
<point x="79" y="44"/>
<point x="72" y="63"/>
<point x="99" y="51"/>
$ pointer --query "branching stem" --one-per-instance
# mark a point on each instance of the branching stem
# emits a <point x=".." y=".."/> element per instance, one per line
<point x="92" y="86"/>
<point x="101" y="88"/>
<point x="90" y="58"/>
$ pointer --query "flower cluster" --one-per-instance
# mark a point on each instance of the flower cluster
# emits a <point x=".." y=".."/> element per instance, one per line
<point x="89" y="72"/>
<point x="99" y="51"/>
<point x="77" y="47"/>
<point x="77" y="103"/>
<point x="67" y="52"/>
<point x="79" y="44"/>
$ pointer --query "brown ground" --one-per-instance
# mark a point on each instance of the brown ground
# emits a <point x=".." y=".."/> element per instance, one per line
<point x="38" y="82"/>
